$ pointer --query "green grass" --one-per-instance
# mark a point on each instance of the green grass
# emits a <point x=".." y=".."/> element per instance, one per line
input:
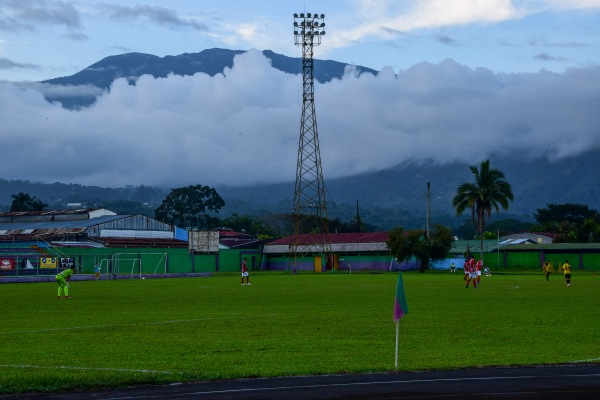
<point x="113" y="333"/>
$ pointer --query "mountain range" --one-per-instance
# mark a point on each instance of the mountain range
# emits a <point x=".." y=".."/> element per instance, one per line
<point x="211" y="62"/>
<point x="396" y="192"/>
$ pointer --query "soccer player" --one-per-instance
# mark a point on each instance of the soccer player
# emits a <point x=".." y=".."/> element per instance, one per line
<point x="245" y="272"/>
<point x="472" y="273"/>
<point x="466" y="269"/>
<point x="567" y="271"/>
<point x="548" y="269"/>
<point x="478" y="270"/>
<point x="63" y="279"/>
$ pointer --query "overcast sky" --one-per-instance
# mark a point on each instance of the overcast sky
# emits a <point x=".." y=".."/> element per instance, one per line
<point x="459" y="80"/>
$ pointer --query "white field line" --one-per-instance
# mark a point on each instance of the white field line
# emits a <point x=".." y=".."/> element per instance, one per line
<point x="176" y="321"/>
<point x="146" y="371"/>
<point x="372" y="383"/>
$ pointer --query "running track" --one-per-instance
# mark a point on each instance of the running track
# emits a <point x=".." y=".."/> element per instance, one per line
<point x="573" y="381"/>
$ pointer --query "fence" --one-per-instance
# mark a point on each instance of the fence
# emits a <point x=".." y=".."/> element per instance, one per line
<point x="42" y="259"/>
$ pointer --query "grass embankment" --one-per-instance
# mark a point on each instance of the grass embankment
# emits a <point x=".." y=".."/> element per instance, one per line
<point x="113" y="333"/>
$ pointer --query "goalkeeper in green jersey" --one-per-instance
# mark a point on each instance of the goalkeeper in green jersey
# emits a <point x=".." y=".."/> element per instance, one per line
<point x="63" y="279"/>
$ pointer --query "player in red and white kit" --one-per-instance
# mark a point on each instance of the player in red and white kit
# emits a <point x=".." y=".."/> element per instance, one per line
<point x="472" y="273"/>
<point x="466" y="269"/>
<point x="245" y="272"/>
<point x="478" y="268"/>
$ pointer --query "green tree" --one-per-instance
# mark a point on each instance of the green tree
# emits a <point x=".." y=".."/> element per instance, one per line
<point x="248" y="224"/>
<point x="489" y="191"/>
<point x="587" y="231"/>
<point x="573" y="213"/>
<point x="571" y="223"/>
<point x="188" y="207"/>
<point x="24" y="202"/>
<point x="404" y="245"/>
<point x="508" y="226"/>
<point x="489" y="236"/>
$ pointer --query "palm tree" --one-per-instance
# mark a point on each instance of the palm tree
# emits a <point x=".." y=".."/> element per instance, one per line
<point x="24" y="202"/>
<point x="490" y="190"/>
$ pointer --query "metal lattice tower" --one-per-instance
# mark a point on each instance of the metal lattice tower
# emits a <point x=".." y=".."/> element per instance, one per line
<point x="311" y="230"/>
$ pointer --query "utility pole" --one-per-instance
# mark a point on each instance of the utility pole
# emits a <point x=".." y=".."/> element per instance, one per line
<point x="311" y="227"/>
<point x="357" y="218"/>
<point x="428" y="207"/>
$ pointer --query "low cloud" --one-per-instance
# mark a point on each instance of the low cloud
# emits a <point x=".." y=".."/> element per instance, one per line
<point x="159" y="15"/>
<point x="543" y="56"/>
<point x="6" y="63"/>
<point x="241" y="127"/>
<point x="26" y="15"/>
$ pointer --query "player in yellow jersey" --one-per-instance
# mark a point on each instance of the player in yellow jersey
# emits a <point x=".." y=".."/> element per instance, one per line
<point x="567" y="271"/>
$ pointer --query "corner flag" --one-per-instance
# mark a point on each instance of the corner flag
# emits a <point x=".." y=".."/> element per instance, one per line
<point x="400" y="307"/>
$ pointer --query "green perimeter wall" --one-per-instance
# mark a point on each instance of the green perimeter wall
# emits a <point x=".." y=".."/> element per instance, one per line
<point x="534" y="259"/>
<point x="153" y="260"/>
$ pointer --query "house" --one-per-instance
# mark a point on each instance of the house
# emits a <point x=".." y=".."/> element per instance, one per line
<point x="530" y="237"/>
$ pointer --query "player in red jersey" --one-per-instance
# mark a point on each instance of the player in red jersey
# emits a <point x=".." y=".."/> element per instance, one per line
<point x="478" y="268"/>
<point x="472" y="273"/>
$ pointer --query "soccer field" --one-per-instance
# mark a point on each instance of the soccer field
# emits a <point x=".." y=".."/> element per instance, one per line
<point x="121" y="332"/>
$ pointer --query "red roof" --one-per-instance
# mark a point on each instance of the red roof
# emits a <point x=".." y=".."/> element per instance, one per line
<point x="232" y="234"/>
<point x="335" y="238"/>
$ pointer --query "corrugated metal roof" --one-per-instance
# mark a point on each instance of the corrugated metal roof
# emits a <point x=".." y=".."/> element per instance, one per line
<point x="17" y="235"/>
<point x="47" y="212"/>
<point x="236" y="243"/>
<point x="336" y="238"/>
<point x="148" y="242"/>
<point x="68" y="224"/>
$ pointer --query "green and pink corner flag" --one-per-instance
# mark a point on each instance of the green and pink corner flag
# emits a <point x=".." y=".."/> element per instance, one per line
<point x="400" y="307"/>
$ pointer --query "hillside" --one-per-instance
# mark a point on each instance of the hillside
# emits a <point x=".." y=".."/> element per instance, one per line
<point x="535" y="183"/>
<point x="387" y="198"/>
<point x="211" y="62"/>
<point x="396" y="196"/>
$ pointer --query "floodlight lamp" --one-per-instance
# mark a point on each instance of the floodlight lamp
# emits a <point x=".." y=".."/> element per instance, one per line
<point x="295" y="15"/>
<point x="322" y="24"/>
<point x="316" y="24"/>
<point x="316" y="15"/>
<point x="308" y="15"/>
<point x="295" y="23"/>
<point x="301" y="15"/>
<point x="322" y="33"/>
<point x="322" y="15"/>
<point x="295" y="32"/>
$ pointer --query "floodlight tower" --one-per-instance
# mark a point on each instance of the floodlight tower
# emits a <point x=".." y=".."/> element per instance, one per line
<point x="311" y="229"/>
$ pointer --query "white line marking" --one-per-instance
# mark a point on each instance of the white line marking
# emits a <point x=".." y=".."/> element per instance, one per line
<point x="176" y="321"/>
<point x="146" y="371"/>
<point x="492" y="378"/>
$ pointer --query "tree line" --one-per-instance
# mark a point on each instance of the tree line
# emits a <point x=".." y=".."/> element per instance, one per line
<point x="197" y="207"/>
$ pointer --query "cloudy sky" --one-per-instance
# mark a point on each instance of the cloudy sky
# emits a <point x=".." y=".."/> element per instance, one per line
<point x="459" y="80"/>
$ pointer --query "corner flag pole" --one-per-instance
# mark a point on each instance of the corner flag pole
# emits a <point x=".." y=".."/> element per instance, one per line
<point x="397" y="333"/>
<point x="400" y="310"/>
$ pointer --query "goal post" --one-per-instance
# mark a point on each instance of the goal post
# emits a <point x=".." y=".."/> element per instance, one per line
<point x="139" y="264"/>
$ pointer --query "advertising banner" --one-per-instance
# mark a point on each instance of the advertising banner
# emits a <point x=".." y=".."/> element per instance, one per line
<point x="7" y="264"/>
<point x="48" y="262"/>
<point x="204" y="241"/>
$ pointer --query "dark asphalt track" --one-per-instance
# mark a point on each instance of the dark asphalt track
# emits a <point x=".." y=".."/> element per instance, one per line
<point x="573" y="381"/>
